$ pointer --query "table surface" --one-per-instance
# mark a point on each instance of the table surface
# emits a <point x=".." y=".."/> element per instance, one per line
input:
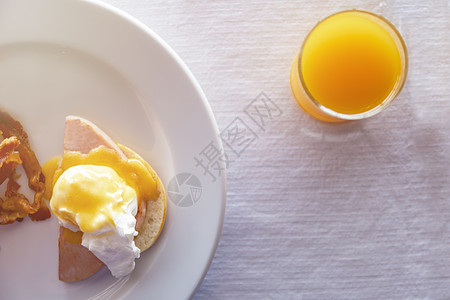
<point x="358" y="210"/>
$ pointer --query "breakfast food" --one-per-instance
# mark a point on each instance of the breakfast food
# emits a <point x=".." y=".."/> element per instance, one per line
<point x="15" y="150"/>
<point x="109" y="202"/>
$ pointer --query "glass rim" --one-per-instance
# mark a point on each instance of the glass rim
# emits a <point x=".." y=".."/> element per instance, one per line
<point x="401" y="46"/>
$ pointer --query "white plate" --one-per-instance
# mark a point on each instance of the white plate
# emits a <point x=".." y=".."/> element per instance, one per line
<point x="92" y="60"/>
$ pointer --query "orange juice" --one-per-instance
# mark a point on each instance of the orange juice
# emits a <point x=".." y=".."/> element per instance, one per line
<point x="351" y="65"/>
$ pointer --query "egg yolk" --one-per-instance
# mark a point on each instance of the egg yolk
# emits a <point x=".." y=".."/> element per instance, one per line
<point x="91" y="197"/>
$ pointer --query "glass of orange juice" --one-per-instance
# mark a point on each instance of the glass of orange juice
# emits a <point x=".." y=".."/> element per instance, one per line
<point x="351" y="66"/>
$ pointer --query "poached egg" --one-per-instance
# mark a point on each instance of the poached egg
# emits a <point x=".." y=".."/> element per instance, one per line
<point x="99" y="194"/>
<point x="97" y="201"/>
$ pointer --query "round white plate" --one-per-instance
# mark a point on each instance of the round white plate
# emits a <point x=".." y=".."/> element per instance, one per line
<point x="89" y="59"/>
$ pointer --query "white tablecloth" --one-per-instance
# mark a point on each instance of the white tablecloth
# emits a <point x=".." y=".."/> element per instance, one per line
<point x="357" y="210"/>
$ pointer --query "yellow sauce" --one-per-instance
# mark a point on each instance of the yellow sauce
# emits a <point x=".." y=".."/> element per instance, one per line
<point x="91" y="197"/>
<point x="135" y="174"/>
<point x="73" y="237"/>
<point x="91" y="190"/>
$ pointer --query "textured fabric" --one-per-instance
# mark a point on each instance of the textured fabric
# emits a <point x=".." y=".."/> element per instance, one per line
<point x="358" y="210"/>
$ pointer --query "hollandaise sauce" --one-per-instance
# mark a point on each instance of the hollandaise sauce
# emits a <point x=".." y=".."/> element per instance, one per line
<point x="88" y="191"/>
<point x="91" y="196"/>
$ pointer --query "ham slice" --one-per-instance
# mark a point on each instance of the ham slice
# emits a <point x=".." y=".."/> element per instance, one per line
<point x="81" y="135"/>
<point x="76" y="262"/>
